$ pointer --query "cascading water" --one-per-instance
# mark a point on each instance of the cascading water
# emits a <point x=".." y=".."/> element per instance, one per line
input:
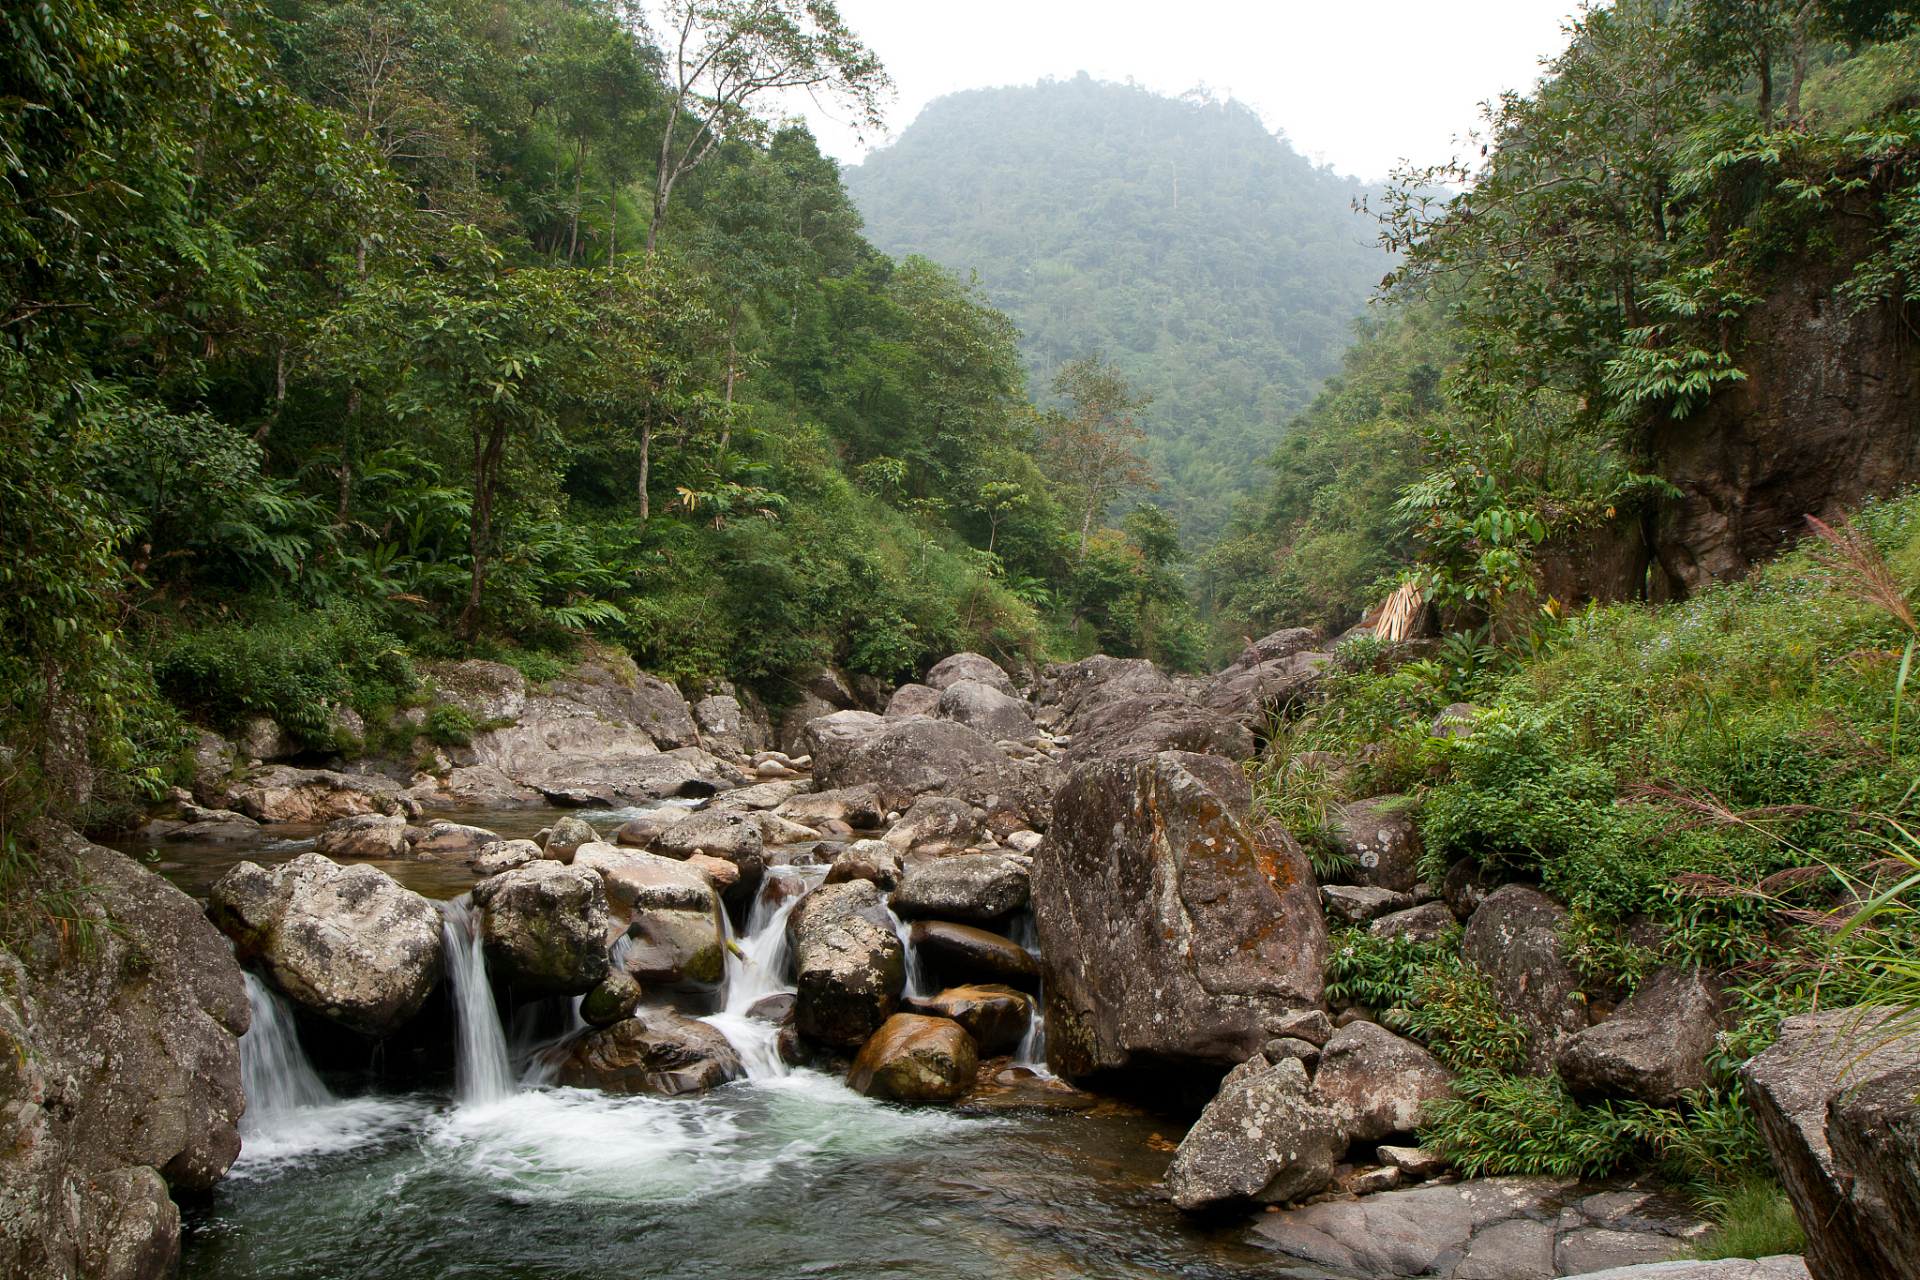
<point x="917" y="988"/>
<point x="482" y="1070"/>
<point x="281" y="1085"/>
<point x="756" y="969"/>
<point x="1023" y="928"/>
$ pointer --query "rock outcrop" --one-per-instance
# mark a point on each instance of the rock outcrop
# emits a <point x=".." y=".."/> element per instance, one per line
<point x="345" y="943"/>
<point x="1172" y="933"/>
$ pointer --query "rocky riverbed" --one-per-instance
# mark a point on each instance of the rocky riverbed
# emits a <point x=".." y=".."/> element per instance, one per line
<point x="982" y="975"/>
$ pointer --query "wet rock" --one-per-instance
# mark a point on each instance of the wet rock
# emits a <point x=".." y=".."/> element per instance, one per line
<point x="504" y="855"/>
<point x="996" y="1016"/>
<point x="915" y="1059"/>
<point x="655" y="1051"/>
<point x="858" y="807"/>
<point x="119" y="1077"/>
<point x="1171" y="932"/>
<point x="1381" y="838"/>
<point x="366" y="835"/>
<point x="981" y="706"/>
<point x="1376" y="1082"/>
<point x="1427" y="923"/>
<point x="968" y="886"/>
<point x="950" y="671"/>
<point x="934" y="827"/>
<point x="283" y="794"/>
<point x="567" y="835"/>
<point x="682" y="951"/>
<point x="956" y="954"/>
<point x="1514" y="939"/>
<point x="776" y="1009"/>
<point x="1801" y="1090"/>
<point x="849" y="963"/>
<point x="453" y="840"/>
<point x="208" y="831"/>
<point x="1148" y="724"/>
<point x="613" y="1000"/>
<point x="1262" y="1140"/>
<point x="1357" y="904"/>
<point x="912" y="758"/>
<point x="346" y="943"/>
<point x="913" y="700"/>
<point x="1653" y="1048"/>
<point x="724" y="875"/>
<point x="871" y="860"/>
<point x="194" y="813"/>
<point x="544" y="928"/>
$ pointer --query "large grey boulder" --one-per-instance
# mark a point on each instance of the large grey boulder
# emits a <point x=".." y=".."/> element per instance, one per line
<point x="1428" y="922"/>
<point x="969" y="886"/>
<point x="935" y="827"/>
<point x="119" y="1069"/>
<point x="1147" y="724"/>
<point x="951" y="670"/>
<point x="1381" y="839"/>
<point x="285" y="794"/>
<point x="1357" y="904"/>
<point x="1514" y="939"/>
<point x="1262" y="1140"/>
<point x="655" y="1051"/>
<point x="1653" y="1048"/>
<point x="731" y="835"/>
<point x="911" y="758"/>
<point x="1172" y="933"/>
<point x="794" y="720"/>
<point x="980" y="706"/>
<point x="839" y="732"/>
<point x="1076" y="688"/>
<point x="913" y="700"/>
<point x="544" y="928"/>
<point x="1254" y="695"/>
<point x="858" y="807"/>
<point x="1376" y="1082"/>
<point x="1834" y="1100"/>
<point x="566" y="835"/>
<point x="346" y="943"/>
<point x="674" y="938"/>
<point x="849" y="964"/>
<point x="365" y="835"/>
<point x="1428" y="1230"/>
<point x="1283" y="643"/>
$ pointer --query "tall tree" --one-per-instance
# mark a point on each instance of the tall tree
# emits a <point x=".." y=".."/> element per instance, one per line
<point x="1095" y="446"/>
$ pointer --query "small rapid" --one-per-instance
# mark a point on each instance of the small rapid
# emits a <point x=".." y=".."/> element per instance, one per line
<point x="757" y="966"/>
<point x="482" y="1070"/>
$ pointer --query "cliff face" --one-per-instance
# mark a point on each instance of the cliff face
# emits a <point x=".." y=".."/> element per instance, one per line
<point x="119" y="1072"/>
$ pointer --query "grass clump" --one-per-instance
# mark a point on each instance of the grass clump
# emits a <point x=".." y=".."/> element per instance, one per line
<point x="1752" y="1219"/>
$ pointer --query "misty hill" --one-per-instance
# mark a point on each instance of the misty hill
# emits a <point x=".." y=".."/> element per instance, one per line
<point x="1218" y="266"/>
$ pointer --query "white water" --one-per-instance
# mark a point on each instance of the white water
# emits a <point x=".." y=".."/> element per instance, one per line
<point x="482" y="1071"/>
<point x="917" y="986"/>
<point x="757" y="968"/>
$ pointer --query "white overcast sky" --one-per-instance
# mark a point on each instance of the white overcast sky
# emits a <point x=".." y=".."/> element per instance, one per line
<point x="1358" y="85"/>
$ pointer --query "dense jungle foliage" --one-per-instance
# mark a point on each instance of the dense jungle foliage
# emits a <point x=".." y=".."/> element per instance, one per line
<point x="1217" y="266"/>
<point x="342" y="334"/>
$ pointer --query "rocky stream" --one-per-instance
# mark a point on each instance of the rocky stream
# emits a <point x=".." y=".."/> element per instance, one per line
<point x="971" y="977"/>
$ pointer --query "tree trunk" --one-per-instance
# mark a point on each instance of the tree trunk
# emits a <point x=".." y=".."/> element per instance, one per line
<point x="613" y="222"/>
<point x="279" y="392"/>
<point x="579" y="168"/>
<point x="1766" y="88"/>
<point x="346" y="471"/>
<point x="487" y="446"/>
<point x="646" y="458"/>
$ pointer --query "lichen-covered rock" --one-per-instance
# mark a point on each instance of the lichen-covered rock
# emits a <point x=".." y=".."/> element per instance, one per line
<point x="994" y="713"/>
<point x="1078" y="687"/>
<point x="655" y="1051"/>
<point x="285" y="794"/>
<point x="949" y="671"/>
<point x="1653" y="1048"/>
<point x="1358" y="904"/>
<point x="642" y="831"/>
<point x="1426" y="923"/>
<point x="996" y="1016"/>
<point x="119" y="1074"/>
<point x="1381" y="838"/>
<point x="871" y="860"/>
<point x="567" y="835"/>
<point x="1514" y="939"/>
<point x="959" y="953"/>
<point x="915" y="1059"/>
<point x="365" y="835"/>
<point x="968" y="886"/>
<point x="1148" y="724"/>
<point x="934" y="827"/>
<point x="346" y="943"/>
<point x="858" y="807"/>
<point x="503" y="855"/>
<point x="544" y="928"/>
<point x="1172" y="933"/>
<point x="453" y="840"/>
<point x="849" y="963"/>
<point x="1376" y="1082"/>
<point x="1262" y="1140"/>
<point x="1253" y="695"/>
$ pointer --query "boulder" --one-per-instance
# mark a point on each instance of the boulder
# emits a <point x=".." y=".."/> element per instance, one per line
<point x="1254" y="695"/>
<point x="762" y="795"/>
<point x="1356" y="904"/>
<point x="1262" y="1140"/>
<point x="262" y="738"/>
<point x="849" y="964"/>
<point x="1311" y="1025"/>
<point x="489" y="692"/>
<point x="935" y="827"/>
<point x="1172" y="933"/>
<point x="503" y="855"/>
<point x="1430" y="1230"/>
<point x="871" y="860"/>
<point x="655" y="1051"/>
<point x="1465" y="886"/>
<point x="858" y="807"/>
<point x="1427" y="923"/>
<point x="1454" y="721"/>
<point x="722" y="724"/>
<point x="794" y="720"/>
<point x="839" y="732"/>
<point x="283" y="794"/>
<point x="1280" y="644"/>
<point x="1381" y="838"/>
<point x="957" y="954"/>
<point x="544" y="928"/>
<point x="212" y="767"/>
<point x="914" y="757"/>
<point x="1305" y="1052"/>
<point x="1834" y="1100"/>
<point x="637" y="881"/>
<point x="915" y="1059"/>
<point x="453" y="840"/>
<point x="776" y="830"/>
<point x="913" y="700"/>
<point x="951" y="670"/>
<point x="1376" y="1082"/>
<point x="1653" y="1048"/>
<point x="365" y="835"/>
<point x="613" y="1000"/>
<point x="729" y="835"/>
<point x="996" y="1016"/>
<point x="119" y="1074"/>
<point x="981" y="706"/>
<point x="683" y="951"/>
<point x="1148" y="724"/>
<point x="346" y="943"/>
<point x="642" y="831"/>
<point x="1514" y="940"/>
<point x="567" y="835"/>
<point x="1078" y="687"/>
<point x="969" y="886"/>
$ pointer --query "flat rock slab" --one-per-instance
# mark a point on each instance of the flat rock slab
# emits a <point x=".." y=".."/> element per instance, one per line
<point x="1499" y="1229"/>
<point x="1785" y="1266"/>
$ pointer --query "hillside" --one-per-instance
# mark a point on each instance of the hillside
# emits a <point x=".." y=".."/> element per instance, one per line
<point x="1217" y="266"/>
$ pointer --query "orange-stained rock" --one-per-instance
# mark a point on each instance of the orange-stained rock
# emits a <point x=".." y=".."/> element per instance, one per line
<point x="916" y="1059"/>
<point x="996" y="1017"/>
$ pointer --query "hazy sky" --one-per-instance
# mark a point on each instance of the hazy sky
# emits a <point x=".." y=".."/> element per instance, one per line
<point x="1358" y="85"/>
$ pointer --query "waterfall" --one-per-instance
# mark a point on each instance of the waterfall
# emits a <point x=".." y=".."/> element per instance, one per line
<point x="917" y="988"/>
<point x="1032" y="1052"/>
<point x="280" y="1083"/>
<point x="480" y="1065"/>
<point x="756" y="968"/>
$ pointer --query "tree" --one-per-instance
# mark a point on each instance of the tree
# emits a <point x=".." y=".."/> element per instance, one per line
<point x="1095" y="447"/>
<point x="728" y="58"/>
<point x="1750" y="36"/>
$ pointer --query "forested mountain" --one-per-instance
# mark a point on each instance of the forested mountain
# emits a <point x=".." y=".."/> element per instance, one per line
<point x="1217" y="266"/>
